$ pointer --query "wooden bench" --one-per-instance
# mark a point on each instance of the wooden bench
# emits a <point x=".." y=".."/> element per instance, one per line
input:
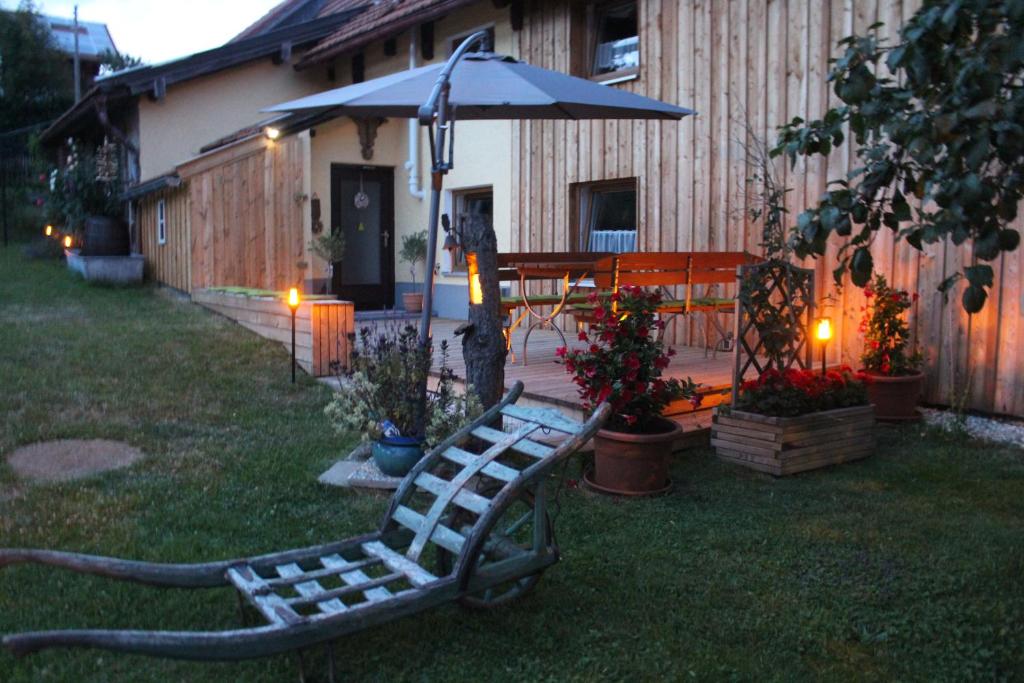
<point x="663" y="270"/>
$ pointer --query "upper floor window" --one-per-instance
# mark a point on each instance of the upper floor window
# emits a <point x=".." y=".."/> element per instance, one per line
<point x="604" y="216"/>
<point x="614" y="38"/>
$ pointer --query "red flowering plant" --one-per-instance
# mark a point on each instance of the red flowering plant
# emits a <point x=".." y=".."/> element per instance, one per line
<point x="886" y="333"/>
<point x="623" y="361"/>
<point x="793" y="392"/>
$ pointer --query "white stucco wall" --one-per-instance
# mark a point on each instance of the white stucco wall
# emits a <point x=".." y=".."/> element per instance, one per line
<point x="483" y="149"/>
<point x="197" y="112"/>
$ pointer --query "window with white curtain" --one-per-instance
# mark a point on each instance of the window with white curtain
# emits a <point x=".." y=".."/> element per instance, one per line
<point x="604" y="216"/>
<point x="161" y="222"/>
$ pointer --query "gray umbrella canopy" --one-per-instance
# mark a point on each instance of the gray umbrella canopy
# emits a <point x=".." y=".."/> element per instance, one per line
<point x="486" y="86"/>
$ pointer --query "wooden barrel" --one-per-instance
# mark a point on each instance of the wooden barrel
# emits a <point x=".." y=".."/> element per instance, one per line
<point x="105" y="236"/>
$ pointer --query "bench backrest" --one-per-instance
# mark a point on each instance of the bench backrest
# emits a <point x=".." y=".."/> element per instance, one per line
<point x="670" y="268"/>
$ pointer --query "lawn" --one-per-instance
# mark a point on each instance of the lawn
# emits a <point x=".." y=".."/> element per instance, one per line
<point x="907" y="566"/>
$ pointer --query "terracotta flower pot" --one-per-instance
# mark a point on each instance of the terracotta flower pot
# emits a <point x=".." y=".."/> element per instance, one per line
<point x="633" y="464"/>
<point x="895" y="398"/>
<point x="412" y="301"/>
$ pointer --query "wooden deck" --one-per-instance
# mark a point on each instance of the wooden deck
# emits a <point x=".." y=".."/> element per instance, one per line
<point x="547" y="383"/>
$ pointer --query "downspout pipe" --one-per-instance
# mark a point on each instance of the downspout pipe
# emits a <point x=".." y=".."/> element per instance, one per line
<point x="413" y="164"/>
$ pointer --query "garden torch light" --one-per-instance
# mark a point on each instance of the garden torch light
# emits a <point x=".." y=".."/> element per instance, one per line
<point x="48" y="231"/>
<point x="293" y="304"/>
<point x="476" y="294"/>
<point x="68" y="241"/>
<point x="823" y="331"/>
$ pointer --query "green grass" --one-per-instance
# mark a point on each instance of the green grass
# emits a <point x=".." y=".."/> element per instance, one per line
<point x="906" y="566"/>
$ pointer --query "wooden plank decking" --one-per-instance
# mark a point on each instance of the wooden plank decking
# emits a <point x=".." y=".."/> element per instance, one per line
<point x="547" y="383"/>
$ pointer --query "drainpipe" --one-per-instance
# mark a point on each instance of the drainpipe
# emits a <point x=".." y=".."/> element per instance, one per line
<point x="413" y="164"/>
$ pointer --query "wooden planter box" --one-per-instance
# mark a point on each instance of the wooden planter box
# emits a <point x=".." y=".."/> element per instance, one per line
<point x="786" y="445"/>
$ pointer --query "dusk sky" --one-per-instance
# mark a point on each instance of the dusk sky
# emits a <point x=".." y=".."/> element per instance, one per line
<point x="157" y="30"/>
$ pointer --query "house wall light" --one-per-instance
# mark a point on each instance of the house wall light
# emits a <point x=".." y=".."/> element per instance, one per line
<point x="272" y="133"/>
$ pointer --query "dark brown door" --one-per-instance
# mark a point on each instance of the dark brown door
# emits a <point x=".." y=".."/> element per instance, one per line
<point x="362" y="209"/>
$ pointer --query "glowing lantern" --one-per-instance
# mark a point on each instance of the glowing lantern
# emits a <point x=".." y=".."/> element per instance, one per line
<point x="293" y="298"/>
<point x="48" y="231"/>
<point x="68" y="241"/>
<point x="476" y="294"/>
<point x="293" y="303"/>
<point x="823" y="331"/>
<point x="272" y="133"/>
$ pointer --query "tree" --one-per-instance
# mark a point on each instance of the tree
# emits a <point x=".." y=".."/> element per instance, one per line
<point x="35" y="83"/>
<point x="941" y="141"/>
<point x="112" y="62"/>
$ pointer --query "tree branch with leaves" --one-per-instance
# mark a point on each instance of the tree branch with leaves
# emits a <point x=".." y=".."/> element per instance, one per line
<point x="940" y="142"/>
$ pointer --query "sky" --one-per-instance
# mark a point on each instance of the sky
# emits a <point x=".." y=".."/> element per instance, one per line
<point x="159" y="30"/>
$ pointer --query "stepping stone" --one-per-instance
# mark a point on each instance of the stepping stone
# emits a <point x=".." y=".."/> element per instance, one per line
<point x="368" y="476"/>
<point x="69" y="459"/>
<point x="339" y="472"/>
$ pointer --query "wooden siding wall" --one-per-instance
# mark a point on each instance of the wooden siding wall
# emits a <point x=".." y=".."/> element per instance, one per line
<point x="246" y="217"/>
<point x="756" y="63"/>
<point x="168" y="263"/>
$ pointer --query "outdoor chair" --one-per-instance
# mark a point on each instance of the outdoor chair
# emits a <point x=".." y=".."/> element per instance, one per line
<point x="476" y="502"/>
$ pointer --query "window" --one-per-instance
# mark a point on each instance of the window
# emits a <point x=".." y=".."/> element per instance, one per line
<point x="604" y="216"/>
<point x="161" y="222"/>
<point x="606" y="41"/>
<point x="455" y="41"/>
<point x="464" y="204"/>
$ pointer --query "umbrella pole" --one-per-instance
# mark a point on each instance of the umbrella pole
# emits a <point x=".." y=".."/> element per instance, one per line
<point x="436" y="181"/>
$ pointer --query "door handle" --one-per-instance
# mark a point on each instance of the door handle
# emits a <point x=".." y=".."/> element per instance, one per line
<point x="387" y="238"/>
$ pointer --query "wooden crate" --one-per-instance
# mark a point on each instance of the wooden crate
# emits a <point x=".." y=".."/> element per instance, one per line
<point x="786" y="445"/>
<point x="322" y="327"/>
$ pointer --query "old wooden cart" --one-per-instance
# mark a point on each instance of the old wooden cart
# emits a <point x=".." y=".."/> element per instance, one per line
<point x="482" y="514"/>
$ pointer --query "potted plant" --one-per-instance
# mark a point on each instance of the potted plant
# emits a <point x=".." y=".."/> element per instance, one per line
<point x="86" y="191"/>
<point x="331" y="249"/>
<point x="413" y="251"/>
<point x="894" y="368"/>
<point x="792" y="420"/>
<point x="622" y="364"/>
<point x="379" y="398"/>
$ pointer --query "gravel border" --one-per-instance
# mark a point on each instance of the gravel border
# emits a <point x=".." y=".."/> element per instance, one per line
<point x="987" y="428"/>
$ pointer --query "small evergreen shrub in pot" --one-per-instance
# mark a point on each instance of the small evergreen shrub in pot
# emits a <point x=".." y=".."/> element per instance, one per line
<point x="894" y="368"/>
<point x="413" y="251"/>
<point x="622" y="364"/>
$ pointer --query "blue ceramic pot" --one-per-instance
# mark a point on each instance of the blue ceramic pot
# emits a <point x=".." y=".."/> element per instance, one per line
<point x="396" y="455"/>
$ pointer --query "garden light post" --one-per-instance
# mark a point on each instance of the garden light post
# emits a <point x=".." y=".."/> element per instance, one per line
<point x="293" y="304"/>
<point x="823" y="331"/>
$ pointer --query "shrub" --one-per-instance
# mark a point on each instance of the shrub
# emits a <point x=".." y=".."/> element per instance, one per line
<point x="624" y="361"/>
<point x="384" y="383"/>
<point x="886" y="334"/>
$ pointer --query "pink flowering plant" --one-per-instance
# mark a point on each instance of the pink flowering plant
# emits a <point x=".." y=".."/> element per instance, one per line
<point x="886" y="333"/>
<point x="623" y="361"/>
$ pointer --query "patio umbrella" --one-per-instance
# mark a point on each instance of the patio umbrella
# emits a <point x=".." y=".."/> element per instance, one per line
<point x="485" y="85"/>
<point x="475" y="86"/>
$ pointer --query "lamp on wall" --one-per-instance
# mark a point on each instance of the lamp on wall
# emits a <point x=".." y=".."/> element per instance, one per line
<point x="272" y="133"/>
<point x="823" y="332"/>
<point x="293" y="304"/>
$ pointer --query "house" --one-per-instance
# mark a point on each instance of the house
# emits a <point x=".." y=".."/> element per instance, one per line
<point x="218" y="202"/>
<point x="94" y="40"/>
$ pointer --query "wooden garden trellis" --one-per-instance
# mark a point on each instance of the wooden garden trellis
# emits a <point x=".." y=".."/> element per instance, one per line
<point x="774" y="312"/>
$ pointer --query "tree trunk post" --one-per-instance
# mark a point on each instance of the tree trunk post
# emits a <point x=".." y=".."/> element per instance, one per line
<point x="483" y="340"/>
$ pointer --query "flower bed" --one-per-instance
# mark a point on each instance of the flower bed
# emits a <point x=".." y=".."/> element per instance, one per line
<point x="796" y="420"/>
